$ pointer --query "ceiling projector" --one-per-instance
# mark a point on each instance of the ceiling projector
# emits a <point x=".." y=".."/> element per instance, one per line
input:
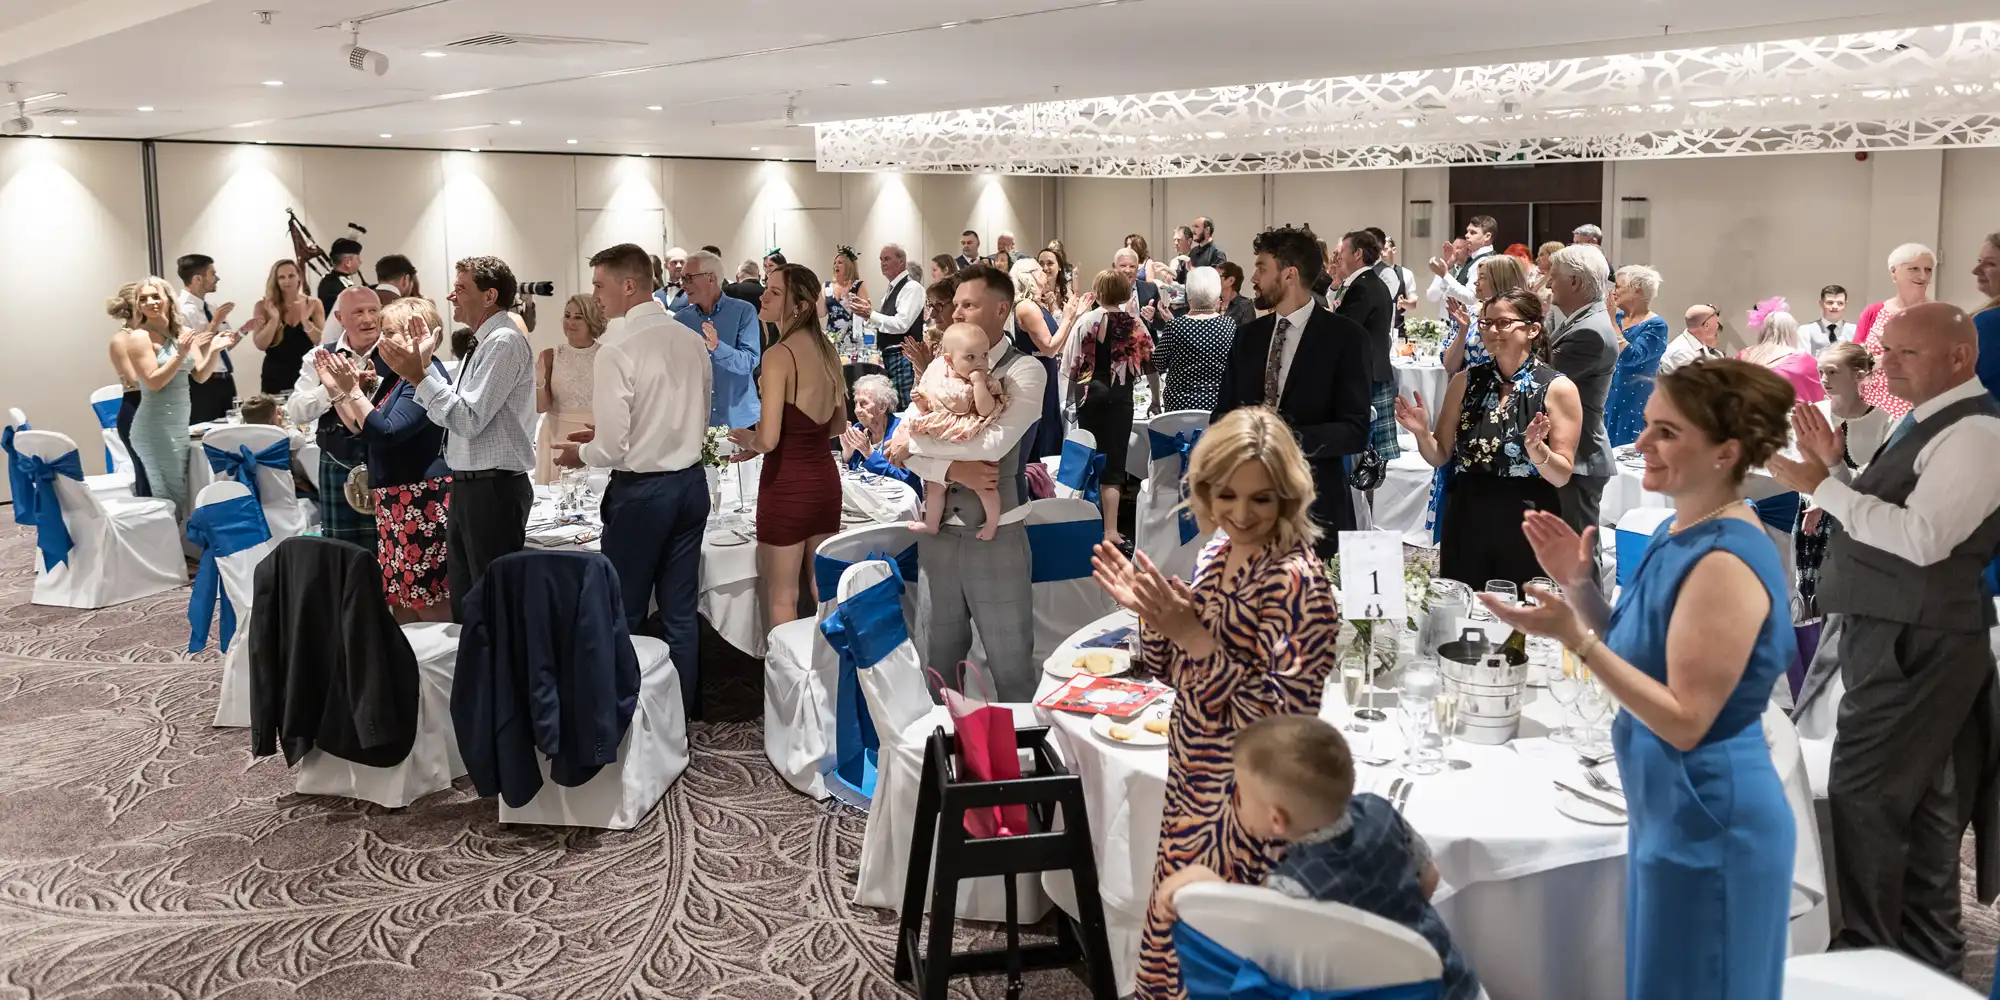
<point x="365" y="60"/>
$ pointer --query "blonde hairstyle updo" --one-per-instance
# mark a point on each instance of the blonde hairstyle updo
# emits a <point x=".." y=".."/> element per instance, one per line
<point x="1255" y="434"/>
<point x="119" y="306"/>
<point x="1732" y="400"/>
<point x="593" y="314"/>
<point x="1850" y="355"/>
<point x="396" y="315"/>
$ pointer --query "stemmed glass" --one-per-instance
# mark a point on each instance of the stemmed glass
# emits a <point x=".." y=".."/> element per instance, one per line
<point x="1592" y="702"/>
<point x="1415" y="716"/>
<point x="1445" y="709"/>
<point x="1565" y="686"/>
<point x="1353" y="679"/>
<point x="1542" y="652"/>
<point x="1356" y="659"/>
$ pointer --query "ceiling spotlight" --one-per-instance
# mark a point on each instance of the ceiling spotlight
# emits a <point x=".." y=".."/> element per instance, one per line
<point x="654" y="107"/>
<point x="385" y="135"/>
<point x="274" y="83"/>
<point x="756" y="149"/>
<point x="359" y="59"/>
<point x="48" y="135"/>
<point x="879" y="82"/>
<point x="433" y="54"/>
<point x="513" y="121"/>
<point x="69" y="121"/>
<point x="145" y="107"/>
<point x="260" y="142"/>
<point x="473" y="149"/>
<point x="571" y="141"/>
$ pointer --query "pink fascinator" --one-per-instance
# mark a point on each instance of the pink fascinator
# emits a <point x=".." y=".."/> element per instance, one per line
<point x="1764" y="311"/>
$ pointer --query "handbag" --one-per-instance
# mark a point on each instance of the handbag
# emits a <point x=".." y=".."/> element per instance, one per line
<point x="1369" y="469"/>
<point x="987" y="748"/>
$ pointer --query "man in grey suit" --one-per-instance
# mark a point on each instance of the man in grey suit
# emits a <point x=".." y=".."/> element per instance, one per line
<point x="1585" y="348"/>
<point x="961" y="580"/>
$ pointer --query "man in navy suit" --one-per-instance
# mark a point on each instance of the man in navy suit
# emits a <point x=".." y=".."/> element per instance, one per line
<point x="1145" y="294"/>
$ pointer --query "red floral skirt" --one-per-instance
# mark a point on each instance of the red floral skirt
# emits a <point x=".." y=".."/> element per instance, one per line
<point x="410" y="531"/>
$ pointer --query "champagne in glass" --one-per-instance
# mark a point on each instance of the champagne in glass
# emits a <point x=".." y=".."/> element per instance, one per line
<point x="1565" y="684"/>
<point x="1353" y="677"/>
<point x="1357" y="659"/>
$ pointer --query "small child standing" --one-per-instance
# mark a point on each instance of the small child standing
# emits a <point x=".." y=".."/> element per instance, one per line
<point x="957" y="398"/>
<point x="1295" y="783"/>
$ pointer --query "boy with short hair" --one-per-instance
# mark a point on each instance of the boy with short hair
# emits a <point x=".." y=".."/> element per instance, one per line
<point x="1295" y="784"/>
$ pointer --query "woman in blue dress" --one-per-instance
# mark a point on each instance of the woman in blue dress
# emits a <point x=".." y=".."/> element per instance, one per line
<point x="1692" y="651"/>
<point x="1642" y="337"/>
<point x="165" y="356"/>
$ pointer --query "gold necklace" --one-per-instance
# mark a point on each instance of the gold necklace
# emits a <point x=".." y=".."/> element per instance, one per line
<point x="1705" y="518"/>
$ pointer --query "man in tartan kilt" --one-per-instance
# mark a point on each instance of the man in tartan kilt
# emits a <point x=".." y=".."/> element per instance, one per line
<point x="901" y="315"/>
<point x="359" y="311"/>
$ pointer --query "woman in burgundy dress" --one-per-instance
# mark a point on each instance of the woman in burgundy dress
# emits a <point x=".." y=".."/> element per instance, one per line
<point x="803" y="396"/>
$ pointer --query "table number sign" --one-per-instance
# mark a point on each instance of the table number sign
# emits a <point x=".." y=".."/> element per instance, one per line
<point x="1371" y="576"/>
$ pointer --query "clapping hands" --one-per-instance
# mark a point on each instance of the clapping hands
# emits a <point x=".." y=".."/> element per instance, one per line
<point x="1536" y="438"/>
<point x="1410" y="413"/>
<point x="1165" y="603"/>
<point x="336" y="373"/>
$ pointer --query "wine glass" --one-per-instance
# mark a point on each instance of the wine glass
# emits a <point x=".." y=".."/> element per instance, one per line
<point x="1353" y="677"/>
<point x="1357" y="659"/>
<point x="1592" y="702"/>
<point x="1414" y="717"/>
<point x="1565" y="685"/>
<point x="1542" y="651"/>
<point x="1504" y="590"/>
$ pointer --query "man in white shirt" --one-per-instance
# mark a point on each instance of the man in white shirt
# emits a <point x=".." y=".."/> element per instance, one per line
<point x="212" y="399"/>
<point x="1919" y="722"/>
<point x="901" y="316"/>
<point x="1831" y="327"/>
<point x="653" y="380"/>
<point x="1459" y="281"/>
<point x="960" y="579"/>
<point x="1704" y="329"/>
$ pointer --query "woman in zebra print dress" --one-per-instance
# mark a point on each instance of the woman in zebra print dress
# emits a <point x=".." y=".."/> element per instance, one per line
<point x="1253" y="636"/>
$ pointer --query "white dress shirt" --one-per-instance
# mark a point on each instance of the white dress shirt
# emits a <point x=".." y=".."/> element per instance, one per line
<point x="1683" y="350"/>
<point x="909" y="304"/>
<point x="308" y="401"/>
<point x="1024" y="384"/>
<point x="1447" y="286"/>
<point x="1958" y="487"/>
<point x="194" y="312"/>
<point x="1819" y="335"/>
<point x="1291" y="346"/>
<point x="652" y="393"/>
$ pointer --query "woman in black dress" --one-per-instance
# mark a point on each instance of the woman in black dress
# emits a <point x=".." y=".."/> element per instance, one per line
<point x="285" y="326"/>
<point x="1112" y="349"/>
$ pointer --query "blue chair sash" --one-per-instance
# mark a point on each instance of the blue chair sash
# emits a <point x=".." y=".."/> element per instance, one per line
<point x="1780" y="512"/>
<point x="1081" y="469"/>
<point x="107" y="418"/>
<point x="241" y="465"/>
<point x="219" y="529"/>
<point x="1182" y="443"/>
<point x="863" y="630"/>
<point x="51" y="531"/>
<point x="1211" y="972"/>
<point x="17" y="478"/>
<point x="1061" y="550"/>
<point x="827" y="570"/>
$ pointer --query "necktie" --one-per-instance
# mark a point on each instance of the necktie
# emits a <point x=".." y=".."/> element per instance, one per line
<point x="1275" y="363"/>
<point x="1903" y="427"/>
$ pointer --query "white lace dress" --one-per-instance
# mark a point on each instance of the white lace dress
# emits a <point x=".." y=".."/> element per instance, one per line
<point x="570" y="393"/>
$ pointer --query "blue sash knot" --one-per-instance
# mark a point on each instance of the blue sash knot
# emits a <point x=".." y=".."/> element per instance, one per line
<point x="220" y="530"/>
<point x="1081" y="469"/>
<point x="863" y="630"/>
<point x="51" y="531"/>
<point x="1181" y="443"/>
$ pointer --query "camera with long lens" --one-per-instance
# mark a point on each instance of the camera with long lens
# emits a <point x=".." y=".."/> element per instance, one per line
<point x="541" y="288"/>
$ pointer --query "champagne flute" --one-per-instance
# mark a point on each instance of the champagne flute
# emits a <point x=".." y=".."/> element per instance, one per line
<point x="1591" y="704"/>
<point x="1445" y="709"/>
<point x="1353" y="677"/>
<point x="1413" y="716"/>
<point x="1564" y="686"/>
<point x="1357" y="658"/>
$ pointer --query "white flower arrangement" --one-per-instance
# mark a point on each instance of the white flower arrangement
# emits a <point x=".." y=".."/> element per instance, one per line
<point x="715" y="448"/>
<point x="1416" y="594"/>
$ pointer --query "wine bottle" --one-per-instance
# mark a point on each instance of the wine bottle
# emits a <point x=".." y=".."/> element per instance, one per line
<point x="1515" y="649"/>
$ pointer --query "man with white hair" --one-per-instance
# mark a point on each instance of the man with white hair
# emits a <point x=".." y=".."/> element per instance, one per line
<point x="1145" y="294"/>
<point x="1585" y="348"/>
<point x="901" y="316"/>
<point x="733" y="336"/>
<point x="1004" y="254"/>
<point x="673" y="288"/>
<point x="359" y="310"/>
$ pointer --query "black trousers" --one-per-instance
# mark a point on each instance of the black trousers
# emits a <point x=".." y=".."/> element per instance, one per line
<point x="1582" y="499"/>
<point x="128" y="407"/>
<point x="653" y="525"/>
<point x="489" y="519"/>
<point x="212" y="399"/>
<point x="1482" y="538"/>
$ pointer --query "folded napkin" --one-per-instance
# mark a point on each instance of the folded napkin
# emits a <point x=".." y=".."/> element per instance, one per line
<point x="563" y="534"/>
<point x="874" y="496"/>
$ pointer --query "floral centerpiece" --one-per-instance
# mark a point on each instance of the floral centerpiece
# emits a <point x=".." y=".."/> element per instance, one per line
<point x="1416" y="595"/>
<point x="1425" y="333"/>
<point x="715" y="448"/>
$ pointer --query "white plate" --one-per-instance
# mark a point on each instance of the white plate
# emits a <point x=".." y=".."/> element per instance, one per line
<point x="1585" y="810"/>
<point x="1065" y="667"/>
<point x="1100" y="726"/>
<point x="726" y="540"/>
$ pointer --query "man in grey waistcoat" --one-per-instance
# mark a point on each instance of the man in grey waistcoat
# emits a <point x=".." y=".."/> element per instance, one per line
<point x="1585" y="348"/>
<point x="962" y="581"/>
<point x="1915" y="753"/>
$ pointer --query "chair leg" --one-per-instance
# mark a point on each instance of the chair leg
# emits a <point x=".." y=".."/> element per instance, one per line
<point x="1013" y="939"/>
<point x="936" y="980"/>
<point x="923" y="840"/>
<point x="1091" y="925"/>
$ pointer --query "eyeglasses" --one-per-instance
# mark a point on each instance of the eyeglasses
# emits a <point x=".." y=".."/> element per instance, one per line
<point x="691" y="275"/>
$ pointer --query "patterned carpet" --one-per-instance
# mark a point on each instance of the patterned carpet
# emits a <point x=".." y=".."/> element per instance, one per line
<point x="146" y="856"/>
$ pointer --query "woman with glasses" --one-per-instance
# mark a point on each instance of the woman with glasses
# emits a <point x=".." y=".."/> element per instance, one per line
<point x="1511" y="426"/>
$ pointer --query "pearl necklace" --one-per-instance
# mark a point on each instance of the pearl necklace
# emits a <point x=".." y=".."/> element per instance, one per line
<point x="1705" y="518"/>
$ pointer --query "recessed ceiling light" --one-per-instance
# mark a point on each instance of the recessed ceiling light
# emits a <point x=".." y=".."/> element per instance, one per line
<point x="145" y="107"/>
<point x="513" y="121"/>
<point x="433" y="54"/>
<point x="260" y="142"/>
<point x="570" y="141"/>
<point x="48" y="135"/>
<point x="878" y="81"/>
<point x="756" y="148"/>
<point x="473" y="149"/>
<point x="654" y="107"/>
<point x="386" y="135"/>
<point x="274" y="83"/>
<point x="69" y="121"/>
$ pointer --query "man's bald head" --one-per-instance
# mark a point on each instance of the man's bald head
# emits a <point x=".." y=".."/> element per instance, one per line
<point x="359" y="311"/>
<point x="1928" y="350"/>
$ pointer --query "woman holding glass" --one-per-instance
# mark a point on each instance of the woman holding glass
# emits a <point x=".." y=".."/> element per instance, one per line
<point x="1698" y="639"/>
<point x="1253" y="636"/>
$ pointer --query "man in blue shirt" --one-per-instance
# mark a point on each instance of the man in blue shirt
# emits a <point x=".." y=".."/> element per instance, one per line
<point x="730" y="326"/>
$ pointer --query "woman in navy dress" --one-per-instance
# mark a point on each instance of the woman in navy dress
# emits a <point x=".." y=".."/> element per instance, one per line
<point x="1692" y="651"/>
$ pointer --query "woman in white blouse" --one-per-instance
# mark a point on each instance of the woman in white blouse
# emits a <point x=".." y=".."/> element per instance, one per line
<point x="1863" y="428"/>
<point x="563" y="381"/>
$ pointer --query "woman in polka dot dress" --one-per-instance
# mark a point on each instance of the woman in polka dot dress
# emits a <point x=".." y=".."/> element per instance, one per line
<point x="1195" y="347"/>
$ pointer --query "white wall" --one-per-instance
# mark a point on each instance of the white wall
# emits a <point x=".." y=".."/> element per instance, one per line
<point x="1972" y="210"/>
<point x="72" y="229"/>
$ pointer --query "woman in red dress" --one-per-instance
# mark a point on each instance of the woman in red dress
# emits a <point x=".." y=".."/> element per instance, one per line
<point x="803" y="396"/>
<point x="1911" y="267"/>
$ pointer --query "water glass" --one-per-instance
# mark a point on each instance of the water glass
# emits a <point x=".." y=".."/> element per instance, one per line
<point x="1504" y="590"/>
<point x="1565" y="686"/>
<point x="1543" y="651"/>
<point x="1414" y="716"/>
<point x="1592" y="704"/>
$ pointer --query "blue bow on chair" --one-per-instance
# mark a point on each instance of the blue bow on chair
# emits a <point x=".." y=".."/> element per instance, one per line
<point x="51" y="531"/>
<point x="1780" y="512"/>
<point x="827" y="570"/>
<point x="17" y="478"/>
<point x="107" y="419"/>
<point x="1081" y="469"/>
<point x="220" y="530"/>
<point x="241" y="465"/>
<point x="1160" y="446"/>
<point x="1211" y="972"/>
<point x="863" y="630"/>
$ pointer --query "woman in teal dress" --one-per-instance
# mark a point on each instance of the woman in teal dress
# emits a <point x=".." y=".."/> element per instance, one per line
<point x="1643" y="337"/>
<point x="1692" y="651"/>
<point x="165" y="355"/>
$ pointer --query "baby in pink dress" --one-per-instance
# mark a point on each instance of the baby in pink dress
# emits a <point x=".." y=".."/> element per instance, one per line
<point x="957" y="398"/>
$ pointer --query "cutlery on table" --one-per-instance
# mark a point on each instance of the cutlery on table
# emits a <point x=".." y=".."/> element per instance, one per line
<point x="1404" y="799"/>
<point x="1598" y="782"/>
<point x="1396" y="789"/>
<point x="1593" y="800"/>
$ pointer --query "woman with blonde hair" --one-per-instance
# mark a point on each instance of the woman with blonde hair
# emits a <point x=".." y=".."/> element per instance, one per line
<point x="1253" y="636"/>
<point x="1642" y="342"/>
<point x="563" y="381"/>
<point x="804" y="397"/>
<point x="1912" y="267"/>
<point x="163" y="355"/>
<point x="1777" y="348"/>
<point x="1986" y="274"/>
<point x="410" y="485"/>
<point x="286" y="325"/>
<point x="834" y="315"/>
<point x="119" y="307"/>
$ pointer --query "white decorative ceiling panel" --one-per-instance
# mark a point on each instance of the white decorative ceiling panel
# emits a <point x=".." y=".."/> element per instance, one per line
<point x="1914" y="87"/>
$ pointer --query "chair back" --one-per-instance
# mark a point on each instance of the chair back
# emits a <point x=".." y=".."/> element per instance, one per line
<point x="19" y="487"/>
<point x="1166" y="530"/>
<point x="1061" y="534"/>
<point x="1308" y="945"/>
<point x="270" y="455"/>
<point x="1634" y="534"/>
<point x="881" y="685"/>
<point x="105" y="401"/>
<point x="1082" y="467"/>
<point x="233" y="537"/>
<point x="55" y="448"/>
<point x="1871" y="974"/>
<point x="895" y="542"/>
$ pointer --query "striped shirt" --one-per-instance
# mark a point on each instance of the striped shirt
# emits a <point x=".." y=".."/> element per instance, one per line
<point x="490" y="414"/>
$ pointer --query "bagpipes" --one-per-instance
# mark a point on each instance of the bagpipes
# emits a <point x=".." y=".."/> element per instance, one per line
<point x="312" y="260"/>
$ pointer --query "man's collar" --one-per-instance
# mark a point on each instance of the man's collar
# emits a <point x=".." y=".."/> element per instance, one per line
<point x="1968" y="389"/>
<point x="1356" y="273"/>
<point x="649" y="307"/>
<point x="349" y="348"/>
<point x="1301" y="315"/>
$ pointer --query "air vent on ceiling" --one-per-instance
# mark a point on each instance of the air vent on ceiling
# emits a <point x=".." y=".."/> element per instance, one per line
<point x="62" y="112"/>
<point x="505" y="43"/>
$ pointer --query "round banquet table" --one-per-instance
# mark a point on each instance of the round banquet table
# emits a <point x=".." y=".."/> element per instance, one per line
<point x="1534" y="899"/>
<point x="728" y="576"/>
<point x="199" y="474"/>
<point x="1428" y="379"/>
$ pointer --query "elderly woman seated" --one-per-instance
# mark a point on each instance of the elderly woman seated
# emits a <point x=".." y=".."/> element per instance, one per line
<point x="875" y="422"/>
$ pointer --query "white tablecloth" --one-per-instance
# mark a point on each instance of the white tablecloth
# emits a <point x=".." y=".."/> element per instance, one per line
<point x="728" y="578"/>
<point x="1534" y="899"/>
<point x="1430" y="380"/>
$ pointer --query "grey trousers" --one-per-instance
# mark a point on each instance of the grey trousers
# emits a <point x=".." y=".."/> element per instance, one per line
<point x="1893" y="793"/>
<point x="1581" y="498"/>
<point x="963" y="582"/>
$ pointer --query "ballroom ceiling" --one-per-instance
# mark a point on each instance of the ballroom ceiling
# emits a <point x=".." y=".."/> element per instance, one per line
<point x="743" y="79"/>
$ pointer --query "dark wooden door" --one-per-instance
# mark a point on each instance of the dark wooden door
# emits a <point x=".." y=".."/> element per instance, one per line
<point x="1555" y="221"/>
<point x="1512" y="221"/>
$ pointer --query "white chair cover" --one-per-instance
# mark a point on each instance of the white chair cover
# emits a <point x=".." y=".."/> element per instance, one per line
<point x="801" y="671"/>
<point x="1081" y="468"/>
<point x="652" y="755"/>
<point x="105" y="401"/>
<point x="124" y="548"/>
<point x="283" y="510"/>
<point x="1061" y="534"/>
<point x="434" y="760"/>
<point x="1166" y="531"/>
<point x="1812" y="928"/>
<point x="1307" y="944"/>
<point x="1876" y="974"/>
<point x="238" y="572"/>
<point x="899" y="703"/>
<point x="112" y="483"/>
